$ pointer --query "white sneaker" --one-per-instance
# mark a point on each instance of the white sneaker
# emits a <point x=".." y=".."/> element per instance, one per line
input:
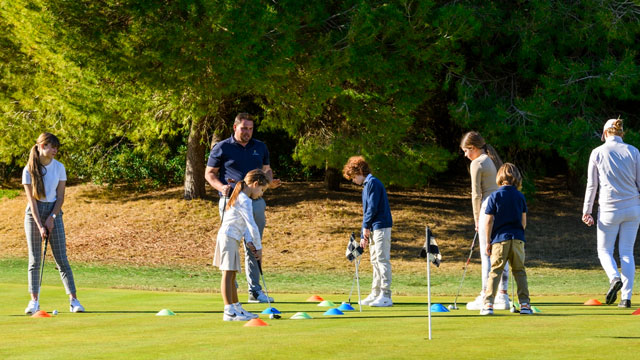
<point x="525" y="309"/>
<point x="239" y="309"/>
<point x="75" y="306"/>
<point x="501" y="302"/>
<point x="233" y="314"/>
<point x="487" y="309"/>
<point x="381" y="301"/>
<point x="33" y="306"/>
<point x="259" y="297"/>
<point x="476" y="304"/>
<point x="369" y="299"/>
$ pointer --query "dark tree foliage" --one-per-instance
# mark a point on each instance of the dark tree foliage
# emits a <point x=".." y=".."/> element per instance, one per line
<point x="139" y="89"/>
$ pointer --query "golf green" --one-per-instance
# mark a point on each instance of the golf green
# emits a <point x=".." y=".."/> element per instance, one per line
<point x="123" y="324"/>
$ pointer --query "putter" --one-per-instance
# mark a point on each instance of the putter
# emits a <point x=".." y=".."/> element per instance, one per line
<point x="44" y="254"/>
<point x="513" y="297"/>
<point x="473" y="243"/>
<point x="271" y="316"/>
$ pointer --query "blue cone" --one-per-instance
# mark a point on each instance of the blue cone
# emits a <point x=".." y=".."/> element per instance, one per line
<point x="346" y="307"/>
<point x="333" y="312"/>
<point x="438" y="308"/>
<point x="271" y="310"/>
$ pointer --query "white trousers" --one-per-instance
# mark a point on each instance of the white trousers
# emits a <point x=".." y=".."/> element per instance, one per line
<point x="486" y="259"/>
<point x="622" y="224"/>
<point x="380" y="255"/>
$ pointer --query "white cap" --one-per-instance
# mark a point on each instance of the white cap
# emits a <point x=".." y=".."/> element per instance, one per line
<point x="608" y="125"/>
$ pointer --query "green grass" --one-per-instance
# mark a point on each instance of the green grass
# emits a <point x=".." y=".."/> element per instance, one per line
<point x="8" y="193"/>
<point x="120" y="321"/>
<point x="542" y="281"/>
<point x="121" y="324"/>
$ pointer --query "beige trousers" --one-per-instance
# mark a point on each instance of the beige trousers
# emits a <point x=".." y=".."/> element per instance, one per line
<point x="380" y="251"/>
<point x="513" y="252"/>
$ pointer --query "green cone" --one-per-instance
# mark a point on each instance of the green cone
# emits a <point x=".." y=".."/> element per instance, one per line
<point x="165" y="312"/>
<point x="327" y="303"/>
<point x="301" y="316"/>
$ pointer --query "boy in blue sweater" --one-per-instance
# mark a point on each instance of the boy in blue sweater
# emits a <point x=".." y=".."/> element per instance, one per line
<point x="376" y="229"/>
<point x="505" y="223"/>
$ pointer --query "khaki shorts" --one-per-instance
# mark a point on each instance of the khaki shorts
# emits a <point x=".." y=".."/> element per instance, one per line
<point x="226" y="255"/>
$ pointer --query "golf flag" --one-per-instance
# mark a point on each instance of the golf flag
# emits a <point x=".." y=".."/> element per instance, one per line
<point x="353" y="248"/>
<point x="430" y="249"/>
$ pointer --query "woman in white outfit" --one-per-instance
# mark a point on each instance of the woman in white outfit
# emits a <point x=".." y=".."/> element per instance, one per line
<point x="614" y="167"/>
<point x="484" y="164"/>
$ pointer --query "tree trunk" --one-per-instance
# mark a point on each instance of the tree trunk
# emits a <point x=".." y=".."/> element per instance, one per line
<point x="194" y="182"/>
<point x="332" y="178"/>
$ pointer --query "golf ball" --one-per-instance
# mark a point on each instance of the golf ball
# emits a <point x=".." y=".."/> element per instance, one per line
<point x="450" y="307"/>
<point x="271" y="316"/>
<point x="55" y="312"/>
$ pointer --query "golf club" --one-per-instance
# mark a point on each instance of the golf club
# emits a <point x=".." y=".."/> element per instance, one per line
<point x="353" y="283"/>
<point x="464" y="273"/>
<point x="44" y="254"/>
<point x="354" y="251"/>
<point x="513" y="297"/>
<point x="271" y="316"/>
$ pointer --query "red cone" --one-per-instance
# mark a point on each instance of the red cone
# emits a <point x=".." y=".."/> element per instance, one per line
<point x="315" y="298"/>
<point x="40" y="313"/>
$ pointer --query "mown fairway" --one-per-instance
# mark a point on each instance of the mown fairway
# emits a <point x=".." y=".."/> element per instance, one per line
<point x="122" y="324"/>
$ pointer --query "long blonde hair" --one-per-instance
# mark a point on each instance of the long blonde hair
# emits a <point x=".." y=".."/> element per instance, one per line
<point x="473" y="138"/>
<point x="251" y="177"/>
<point x="35" y="167"/>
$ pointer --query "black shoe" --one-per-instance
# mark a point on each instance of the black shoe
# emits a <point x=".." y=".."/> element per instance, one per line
<point x="624" y="303"/>
<point x="612" y="294"/>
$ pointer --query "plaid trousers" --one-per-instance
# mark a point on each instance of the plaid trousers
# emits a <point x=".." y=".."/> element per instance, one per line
<point x="57" y="241"/>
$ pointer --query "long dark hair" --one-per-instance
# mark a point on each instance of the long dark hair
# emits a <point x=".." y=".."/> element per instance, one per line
<point x="35" y="167"/>
<point x="473" y="138"/>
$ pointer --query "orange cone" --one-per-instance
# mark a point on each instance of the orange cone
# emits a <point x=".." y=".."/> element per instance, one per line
<point x="315" y="298"/>
<point x="41" y="313"/>
<point x="256" y="322"/>
<point x="592" y="302"/>
<point x="637" y="312"/>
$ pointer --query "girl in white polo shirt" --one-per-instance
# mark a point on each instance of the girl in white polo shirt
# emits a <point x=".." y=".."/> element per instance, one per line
<point x="44" y="179"/>
<point x="238" y="222"/>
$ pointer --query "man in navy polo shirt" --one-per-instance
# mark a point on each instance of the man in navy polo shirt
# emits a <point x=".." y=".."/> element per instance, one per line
<point x="229" y="161"/>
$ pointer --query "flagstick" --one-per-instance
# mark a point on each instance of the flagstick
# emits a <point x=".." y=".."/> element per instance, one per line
<point x="358" y="282"/>
<point x="428" y="282"/>
<point x="429" y="295"/>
